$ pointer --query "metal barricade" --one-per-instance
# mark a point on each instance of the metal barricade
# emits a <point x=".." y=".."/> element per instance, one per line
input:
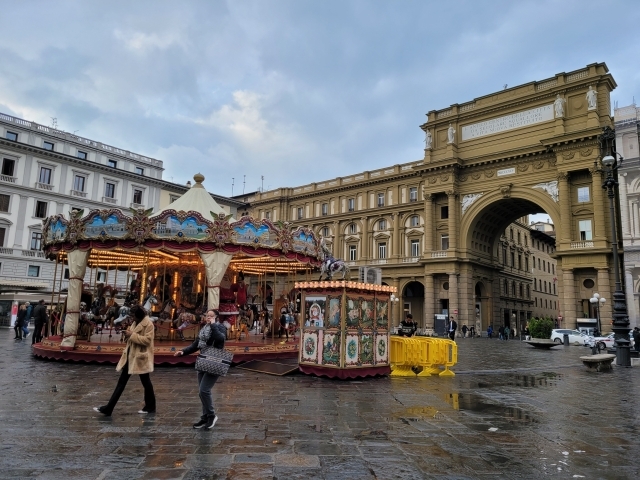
<point x="431" y="354"/>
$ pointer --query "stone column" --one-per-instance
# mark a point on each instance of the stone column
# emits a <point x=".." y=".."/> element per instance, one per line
<point x="569" y="300"/>
<point x="338" y="241"/>
<point x="453" y="297"/>
<point x="631" y="303"/>
<point x="624" y="206"/>
<point x="600" y="205"/>
<point x="564" y="199"/>
<point x="604" y="289"/>
<point x="428" y="223"/>
<point x="365" y="239"/>
<point x="397" y="250"/>
<point x="429" y="301"/>
<point x="636" y="227"/>
<point x="453" y="221"/>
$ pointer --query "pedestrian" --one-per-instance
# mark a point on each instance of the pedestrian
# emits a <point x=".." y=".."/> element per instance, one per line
<point x="489" y="331"/>
<point x="137" y="358"/>
<point x="507" y="332"/>
<point x="27" y="319"/>
<point x="212" y="334"/>
<point x="472" y="331"/>
<point x="526" y="333"/>
<point x="40" y="317"/>
<point x="501" y="332"/>
<point x="464" y="330"/>
<point x="22" y="313"/>
<point x="407" y="326"/>
<point x="636" y="338"/>
<point x="453" y="326"/>
<point x="283" y="326"/>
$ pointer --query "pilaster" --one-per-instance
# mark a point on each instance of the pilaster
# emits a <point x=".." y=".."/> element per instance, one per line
<point x="453" y="220"/>
<point x="429" y="301"/>
<point x="569" y="302"/>
<point x="631" y="304"/>
<point x="397" y="250"/>
<point x="624" y="206"/>
<point x="428" y="223"/>
<point x="454" y="303"/>
<point x="564" y="199"/>
<point x="599" y="205"/>
<point x="604" y="289"/>
<point x="365" y="239"/>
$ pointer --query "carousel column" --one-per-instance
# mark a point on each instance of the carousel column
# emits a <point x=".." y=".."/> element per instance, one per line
<point x="77" y="268"/>
<point x="570" y="305"/>
<point x="428" y="223"/>
<point x="604" y="289"/>
<point x="429" y="302"/>
<point x="631" y="303"/>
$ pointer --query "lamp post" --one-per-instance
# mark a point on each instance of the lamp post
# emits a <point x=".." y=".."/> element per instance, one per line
<point x="620" y="317"/>
<point x="394" y="300"/>
<point x="597" y="301"/>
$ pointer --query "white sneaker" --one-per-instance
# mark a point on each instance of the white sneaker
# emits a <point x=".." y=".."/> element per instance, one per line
<point x="210" y="424"/>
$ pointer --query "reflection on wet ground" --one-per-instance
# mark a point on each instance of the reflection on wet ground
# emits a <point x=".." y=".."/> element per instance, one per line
<point x="510" y="412"/>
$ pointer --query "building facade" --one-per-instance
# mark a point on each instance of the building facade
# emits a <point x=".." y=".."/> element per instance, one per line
<point x="438" y="226"/>
<point x="46" y="172"/>
<point x="627" y="122"/>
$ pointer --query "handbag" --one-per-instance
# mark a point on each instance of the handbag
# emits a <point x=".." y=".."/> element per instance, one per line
<point x="215" y="361"/>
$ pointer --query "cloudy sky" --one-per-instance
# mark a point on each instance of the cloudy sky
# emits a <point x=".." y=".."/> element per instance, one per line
<point x="295" y="91"/>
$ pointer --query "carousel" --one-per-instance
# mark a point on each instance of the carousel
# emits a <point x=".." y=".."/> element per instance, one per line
<point x="177" y="263"/>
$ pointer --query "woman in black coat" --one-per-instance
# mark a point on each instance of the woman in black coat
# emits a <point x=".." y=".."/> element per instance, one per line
<point x="212" y="334"/>
<point x="22" y="313"/>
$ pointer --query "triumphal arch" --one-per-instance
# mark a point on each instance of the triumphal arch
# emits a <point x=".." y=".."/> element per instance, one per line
<point x="523" y="150"/>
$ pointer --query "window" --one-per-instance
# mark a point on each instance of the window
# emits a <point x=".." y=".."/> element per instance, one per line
<point x="521" y="291"/>
<point x="47" y="146"/>
<point x="325" y="231"/>
<point x="382" y="250"/>
<point x="8" y="167"/>
<point x="444" y="242"/>
<point x="553" y="269"/>
<point x="444" y="212"/>
<point x="353" y="253"/>
<point x="352" y="228"/>
<point x="173" y="198"/>
<point x="513" y="260"/>
<point x="535" y="283"/>
<point x="110" y="190"/>
<point x="41" y="209"/>
<point x="78" y="183"/>
<point x="415" y="248"/>
<point x="45" y="175"/>
<point x="381" y="199"/>
<point x="511" y="233"/>
<point x="36" y="241"/>
<point x="102" y="277"/>
<point x="112" y="163"/>
<point x="506" y="288"/>
<point x="3" y="231"/>
<point x="139" y="171"/>
<point x="12" y="136"/>
<point x="554" y="289"/>
<point x="545" y="287"/>
<point x="513" y="288"/>
<point x="583" y="194"/>
<point x="382" y="224"/>
<point x="585" y="229"/>
<point x="528" y="292"/>
<point x="300" y="215"/>
<point x="413" y="194"/>
<point x="82" y="155"/>
<point x="415" y="221"/>
<point x="325" y="209"/>
<point x="267" y="215"/>
<point x="351" y="204"/>
<point x="66" y="274"/>
<point x="504" y="255"/>
<point x="526" y="241"/>
<point x="137" y="196"/>
<point x="539" y="267"/>
<point x="519" y="262"/>
<point x="4" y="203"/>
<point x="34" y="271"/>
<point x="519" y="238"/>
<point x="526" y="264"/>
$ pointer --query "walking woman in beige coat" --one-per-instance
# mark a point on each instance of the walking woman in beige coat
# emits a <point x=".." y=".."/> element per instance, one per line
<point x="137" y="358"/>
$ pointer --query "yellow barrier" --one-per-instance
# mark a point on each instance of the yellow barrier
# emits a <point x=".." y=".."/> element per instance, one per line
<point x="405" y="354"/>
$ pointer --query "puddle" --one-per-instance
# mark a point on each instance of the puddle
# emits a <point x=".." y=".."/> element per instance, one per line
<point x="509" y="414"/>
<point x="541" y="380"/>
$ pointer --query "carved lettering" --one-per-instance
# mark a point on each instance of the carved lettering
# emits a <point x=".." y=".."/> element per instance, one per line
<point x="508" y="122"/>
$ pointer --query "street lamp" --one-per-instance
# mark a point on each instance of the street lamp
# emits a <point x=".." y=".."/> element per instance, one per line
<point x="598" y="302"/>
<point x="393" y="299"/>
<point x="620" y="317"/>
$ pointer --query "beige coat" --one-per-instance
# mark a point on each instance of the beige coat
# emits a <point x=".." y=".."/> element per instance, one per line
<point x="139" y="349"/>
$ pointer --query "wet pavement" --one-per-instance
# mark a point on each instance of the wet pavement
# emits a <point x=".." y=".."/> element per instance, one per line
<point x="510" y="412"/>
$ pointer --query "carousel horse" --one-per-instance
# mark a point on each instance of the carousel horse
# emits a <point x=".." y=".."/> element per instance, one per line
<point x="149" y="303"/>
<point x="85" y="322"/>
<point x="331" y="265"/>
<point x="165" y="312"/>
<point x="185" y="320"/>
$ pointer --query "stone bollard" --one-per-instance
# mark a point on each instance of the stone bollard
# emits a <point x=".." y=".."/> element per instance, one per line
<point x="565" y="339"/>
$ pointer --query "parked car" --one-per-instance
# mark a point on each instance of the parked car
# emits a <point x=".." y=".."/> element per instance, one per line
<point x="608" y="341"/>
<point x="575" y="336"/>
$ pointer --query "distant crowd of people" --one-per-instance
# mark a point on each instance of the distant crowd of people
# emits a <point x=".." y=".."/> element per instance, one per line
<point x="41" y="319"/>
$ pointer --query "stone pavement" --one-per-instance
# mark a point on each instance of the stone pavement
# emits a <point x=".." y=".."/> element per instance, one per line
<point x="510" y="412"/>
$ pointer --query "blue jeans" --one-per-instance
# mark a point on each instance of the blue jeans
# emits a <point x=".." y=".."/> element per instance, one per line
<point x="206" y="381"/>
<point x="25" y="328"/>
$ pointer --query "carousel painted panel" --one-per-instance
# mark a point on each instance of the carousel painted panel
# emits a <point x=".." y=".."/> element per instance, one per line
<point x="304" y="241"/>
<point x="335" y="311"/>
<point x="382" y="314"/>
<point x="309" y="351"/>
<point x="352" y="349"/>
<point x="314" y="310"/>
<point x="331" y="345"/>
<point x="247" y="232"/>
<point x="103" y="224"/>
<point x="180" y="226"/>
<point x="55" y="229"/>
<point x="366" y="349"/>
<point x="367" y="312"/>
<point x="381" y="348"/>
<point x="352" y="319"/>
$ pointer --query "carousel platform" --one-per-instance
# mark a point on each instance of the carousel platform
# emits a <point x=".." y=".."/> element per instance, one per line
<point x="105" y="349"/>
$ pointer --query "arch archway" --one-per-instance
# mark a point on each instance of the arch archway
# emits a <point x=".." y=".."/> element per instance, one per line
<point x="413" y="301"/>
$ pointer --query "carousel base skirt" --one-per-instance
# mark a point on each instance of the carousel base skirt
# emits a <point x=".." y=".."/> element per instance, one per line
<point x="253" y="348"/>
<point x="345" y="373"/>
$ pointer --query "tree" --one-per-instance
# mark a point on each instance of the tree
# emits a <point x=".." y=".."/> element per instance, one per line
<point x="541" y="327"/>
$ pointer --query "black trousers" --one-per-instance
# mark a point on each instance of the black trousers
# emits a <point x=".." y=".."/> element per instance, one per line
<point x="149" y="396"/>
<point x="37" y="332"/>
<point x="18" y="330"/>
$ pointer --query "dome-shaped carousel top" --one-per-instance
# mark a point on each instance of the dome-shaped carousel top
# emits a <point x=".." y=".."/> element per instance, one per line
<point x="197" y="199"/>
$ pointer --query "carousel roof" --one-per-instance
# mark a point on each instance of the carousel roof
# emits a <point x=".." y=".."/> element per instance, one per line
<point x="197" y="199"/>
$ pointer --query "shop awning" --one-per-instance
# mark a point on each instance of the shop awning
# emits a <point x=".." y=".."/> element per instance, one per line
<point x="22" y="283"/>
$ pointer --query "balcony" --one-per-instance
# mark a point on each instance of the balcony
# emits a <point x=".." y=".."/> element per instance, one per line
<point x="8" y="179"/>
<point x="439" y="254"/>
<point x="411" y="260"/>
<point x="112" y="201"/>
<point x="380" y="261"/>
<point x="578" y="245"/>
<point x="44" y="186"/>
<point x="33" y="253"/>
<point x="78" y="193"/>
<point x="136" y="205"/>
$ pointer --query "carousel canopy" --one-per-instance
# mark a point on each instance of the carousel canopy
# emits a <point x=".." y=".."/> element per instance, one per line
<point x="197" y="199"/>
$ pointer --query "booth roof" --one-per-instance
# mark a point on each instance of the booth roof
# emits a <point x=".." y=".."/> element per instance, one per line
<point x="197" y="199"/>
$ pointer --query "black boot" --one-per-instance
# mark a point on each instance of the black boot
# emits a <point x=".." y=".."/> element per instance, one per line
<point x="211" y="421"/>
<point x="202" y="422"/>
